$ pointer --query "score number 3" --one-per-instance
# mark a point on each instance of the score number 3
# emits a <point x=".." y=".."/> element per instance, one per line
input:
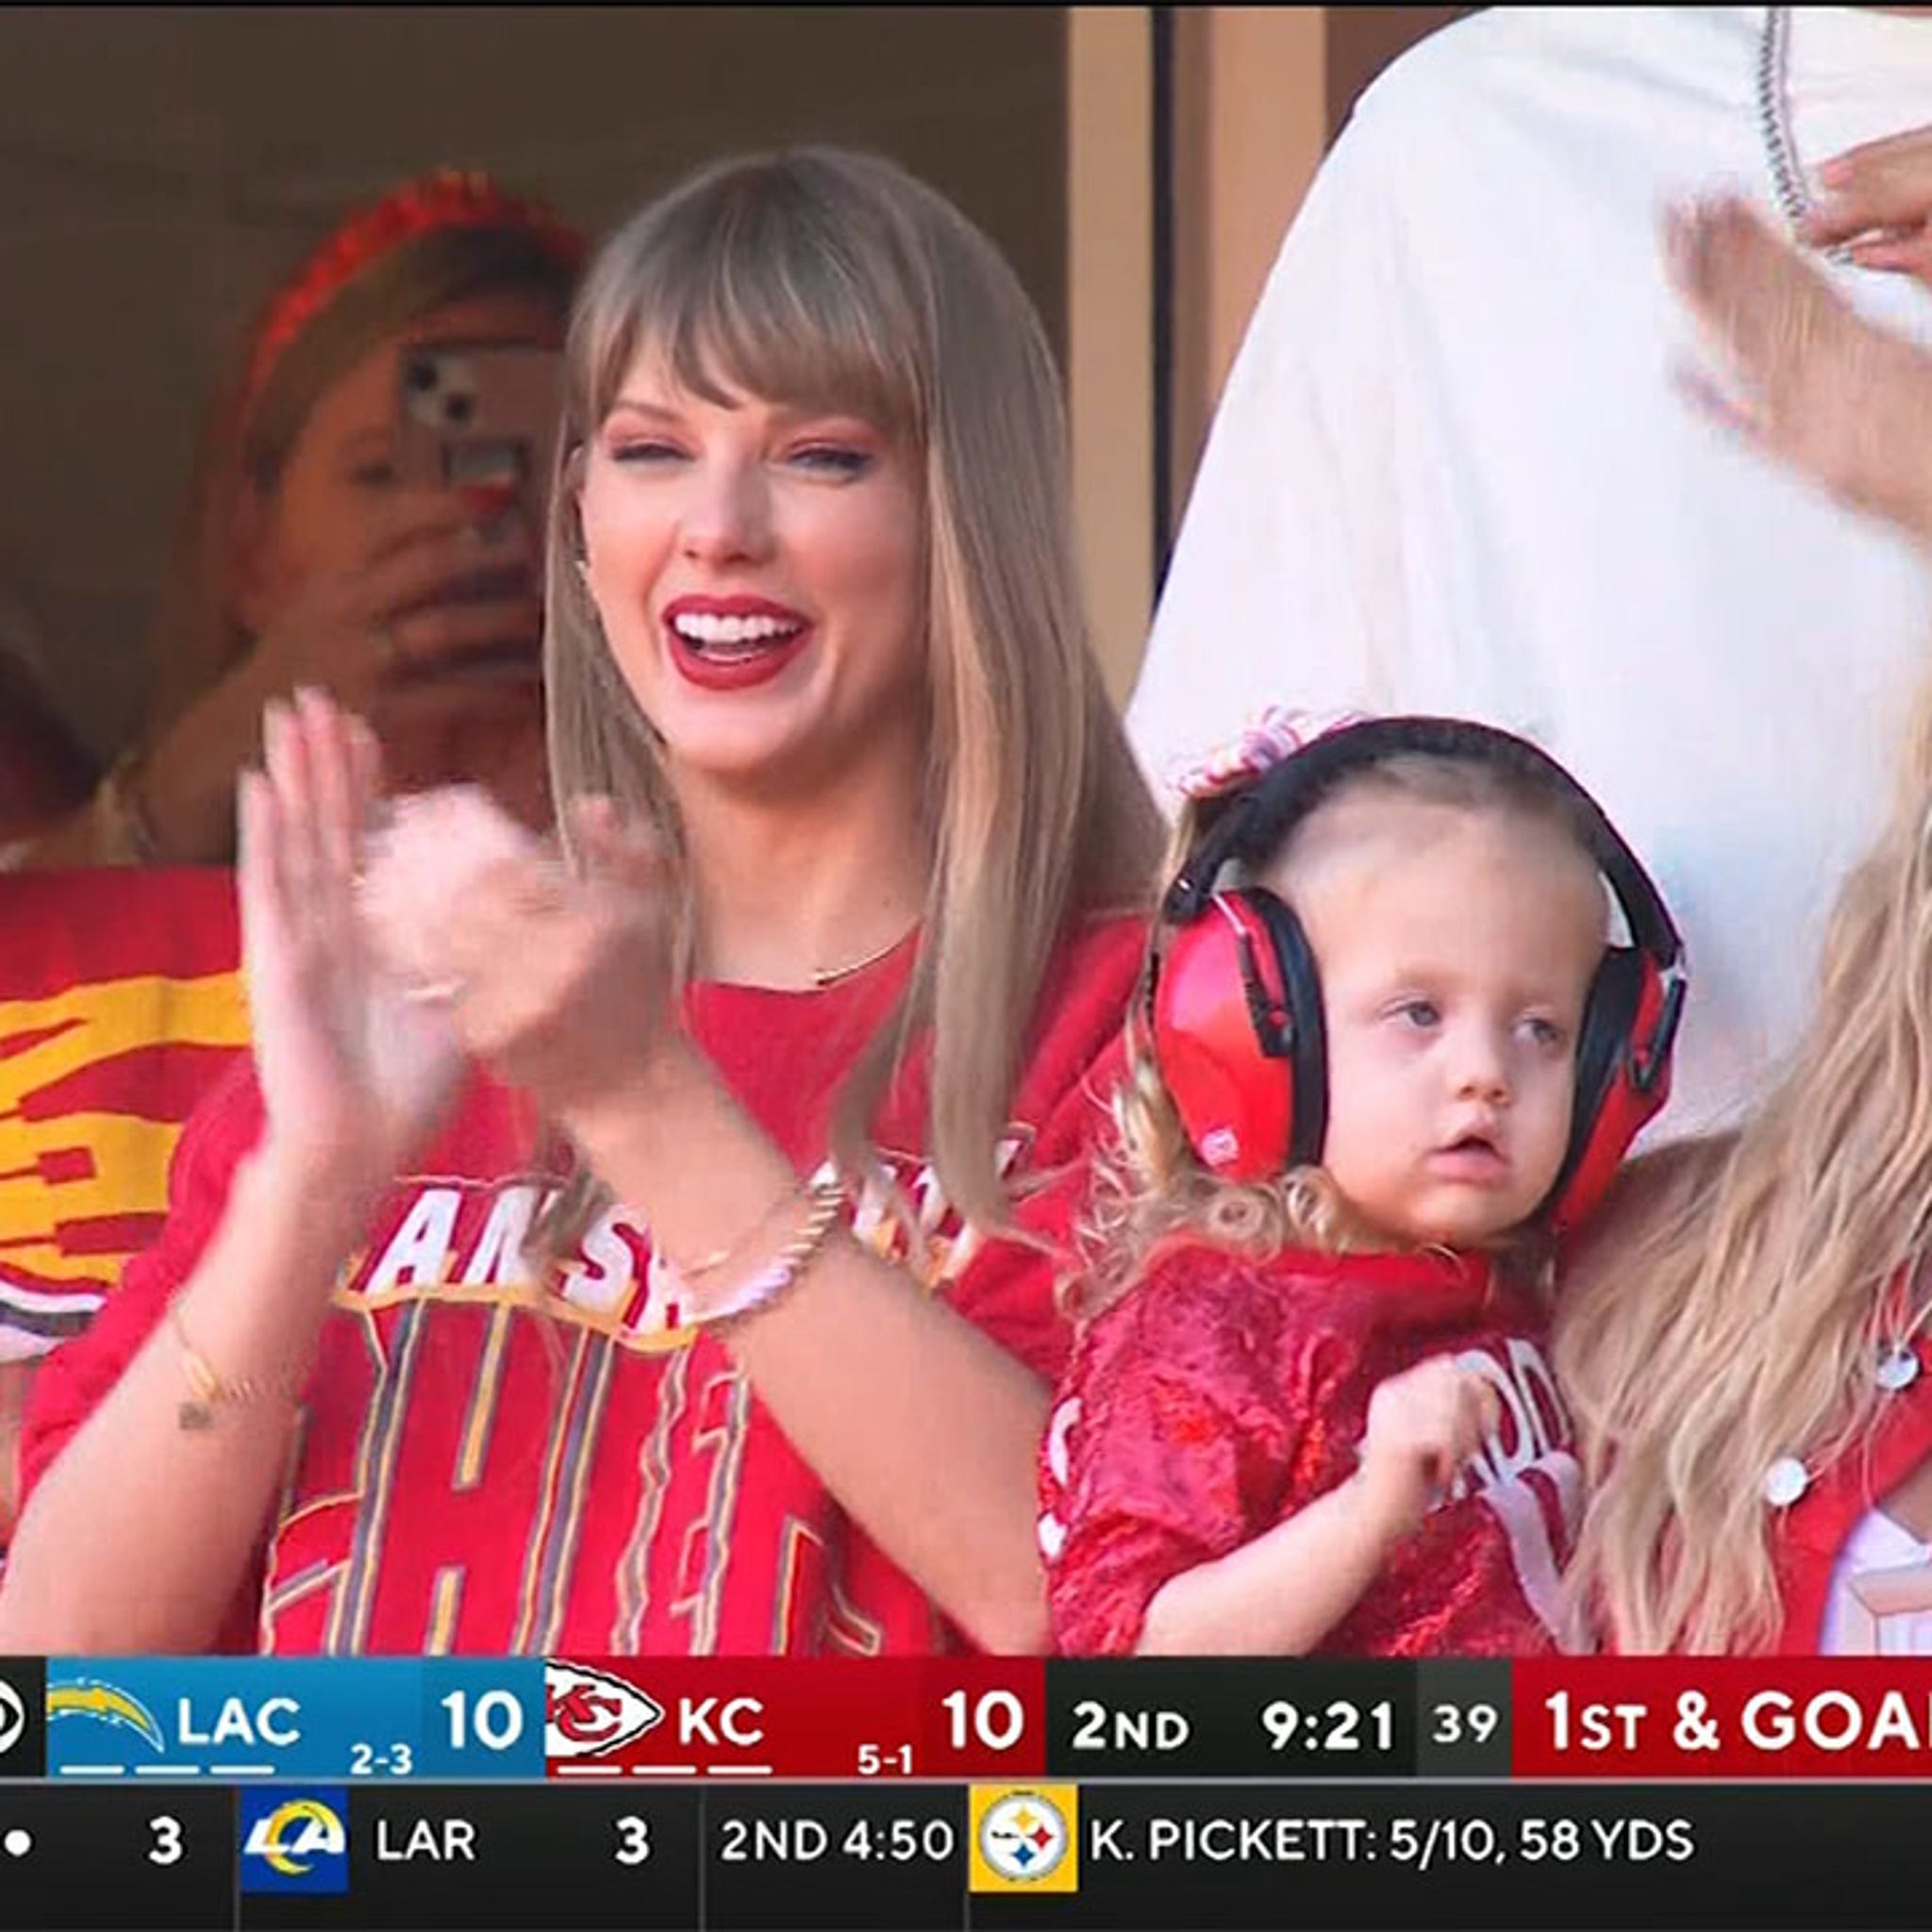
<point x="167" y="1847"/>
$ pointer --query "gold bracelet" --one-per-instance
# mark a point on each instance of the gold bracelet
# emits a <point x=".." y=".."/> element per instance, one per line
<point x="208" y="1391"/>
<point x="825" y="1204"/>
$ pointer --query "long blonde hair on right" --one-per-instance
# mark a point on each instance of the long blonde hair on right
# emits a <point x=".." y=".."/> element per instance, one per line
<point x="1735" y="1319"/>
<point x="825" y="278"/>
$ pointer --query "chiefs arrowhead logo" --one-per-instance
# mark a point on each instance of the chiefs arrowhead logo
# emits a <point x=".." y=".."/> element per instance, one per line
<point x="589" y="1712"/>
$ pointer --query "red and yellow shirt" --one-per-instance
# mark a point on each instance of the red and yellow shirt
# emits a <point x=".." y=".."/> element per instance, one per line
<point x="489" y="1462"/>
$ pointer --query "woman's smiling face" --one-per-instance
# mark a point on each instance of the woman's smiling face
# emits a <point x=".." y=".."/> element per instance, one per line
<point x="758" y="570"/>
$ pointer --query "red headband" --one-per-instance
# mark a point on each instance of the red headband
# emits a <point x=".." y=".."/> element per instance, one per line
<point x="449" y="198"/>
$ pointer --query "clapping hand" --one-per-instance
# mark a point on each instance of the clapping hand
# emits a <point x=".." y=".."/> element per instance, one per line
<point x="354" y="1073"/>
<point x="557" y="975"/>
<point x="1799" y="374"/>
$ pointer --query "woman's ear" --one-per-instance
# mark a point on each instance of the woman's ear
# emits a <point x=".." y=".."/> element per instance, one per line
<point x="253" y="569"/>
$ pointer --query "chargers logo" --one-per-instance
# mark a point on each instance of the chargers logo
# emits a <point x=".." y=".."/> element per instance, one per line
<point x="294" y="1843"/>
<point x="107" y="1704"/>
<point x="588" y="1713"/>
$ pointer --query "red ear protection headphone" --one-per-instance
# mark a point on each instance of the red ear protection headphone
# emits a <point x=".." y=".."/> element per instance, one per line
<point x="1234" y="1001"/>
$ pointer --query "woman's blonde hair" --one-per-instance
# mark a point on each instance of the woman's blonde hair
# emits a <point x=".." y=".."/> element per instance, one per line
<point x="1152" y="1188"/>
<point x="1733" y="1315"/>
<point x="827" y="280"/>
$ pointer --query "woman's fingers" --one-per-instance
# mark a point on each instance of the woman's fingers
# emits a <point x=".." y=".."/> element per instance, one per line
<point x="1883" y="184"/>
<point x="1756" y="299"/>
<point x="1909" y="255"/>
<point x="258" y="873"/>
<point x="407" y="518"/>
<point x="366" y="777"/>
<point x="1766" y="314"/>
<point x="427" y="566"/>
<point x="1716" y="405"/>
<point x="285" y="757"/>
<point x="429" y="884"/>
<point x="438" y="638"/>
<point x="332" y="785"/>
<point x="628" y="855"/>
<point x="1846" y="164"/>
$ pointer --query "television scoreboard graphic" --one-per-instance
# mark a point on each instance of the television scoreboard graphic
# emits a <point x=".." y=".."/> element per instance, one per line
<point x="587" y="1793"/>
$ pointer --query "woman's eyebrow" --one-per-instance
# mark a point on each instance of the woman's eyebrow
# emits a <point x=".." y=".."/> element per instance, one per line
<point x="657" y="412"/>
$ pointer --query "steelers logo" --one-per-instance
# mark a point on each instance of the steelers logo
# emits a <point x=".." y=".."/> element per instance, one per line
<point x="1024" y="1837"/>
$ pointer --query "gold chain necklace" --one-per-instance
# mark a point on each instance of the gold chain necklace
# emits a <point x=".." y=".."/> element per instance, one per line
<point x="822" y="976"/>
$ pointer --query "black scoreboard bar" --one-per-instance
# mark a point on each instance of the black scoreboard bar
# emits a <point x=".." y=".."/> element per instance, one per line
<point x="1366" y="1855"/>
<point x="1239" y="1717"/>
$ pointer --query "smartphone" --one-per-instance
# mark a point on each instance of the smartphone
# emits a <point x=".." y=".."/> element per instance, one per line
<point x="478" y="415"/>
<point x="482" y="416"/>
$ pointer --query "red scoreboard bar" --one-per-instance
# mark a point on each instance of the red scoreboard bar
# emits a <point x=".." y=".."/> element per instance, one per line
<point x="765" y="1716"/>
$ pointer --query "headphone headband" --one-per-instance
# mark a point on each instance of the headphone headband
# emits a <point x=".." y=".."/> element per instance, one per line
<point x="1255" y="820"/>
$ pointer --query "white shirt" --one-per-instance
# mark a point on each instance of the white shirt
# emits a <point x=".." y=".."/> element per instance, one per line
<point x="1450" y="472"/>
<point x="1877" y="1547"/>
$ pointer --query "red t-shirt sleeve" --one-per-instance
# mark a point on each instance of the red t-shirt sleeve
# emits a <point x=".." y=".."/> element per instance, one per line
<point x="1168" y="1449"/>
<point x="74" y="1379"/>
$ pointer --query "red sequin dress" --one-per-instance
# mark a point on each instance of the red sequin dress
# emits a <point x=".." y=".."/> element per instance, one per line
<point x="1222" y="1395"/>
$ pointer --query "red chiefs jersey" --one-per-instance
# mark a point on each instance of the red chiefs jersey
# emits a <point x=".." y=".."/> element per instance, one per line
<point x="121" y="1007"/>
<point x="1222" y="1394"/>
<point x="485" y="1462"/>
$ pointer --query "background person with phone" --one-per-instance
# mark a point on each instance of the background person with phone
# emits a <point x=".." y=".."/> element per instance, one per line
<point x="351" y="526"/>
<point x="326" y="543"/>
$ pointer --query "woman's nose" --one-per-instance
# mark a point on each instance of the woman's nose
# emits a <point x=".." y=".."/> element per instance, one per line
<point x="727" y="517"/>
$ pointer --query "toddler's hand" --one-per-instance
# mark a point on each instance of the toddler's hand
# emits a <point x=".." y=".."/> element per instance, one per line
<point x="1424" y="1426"/>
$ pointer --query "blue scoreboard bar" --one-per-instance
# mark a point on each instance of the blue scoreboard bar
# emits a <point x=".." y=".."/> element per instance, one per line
<point x="248" y="1720"/>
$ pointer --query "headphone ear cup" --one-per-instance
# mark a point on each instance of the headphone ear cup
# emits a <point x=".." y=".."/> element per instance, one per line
<point x="1307" y="1039"/>
<point x="1222" y="1025"/>
<point x="1614" y="1099"/>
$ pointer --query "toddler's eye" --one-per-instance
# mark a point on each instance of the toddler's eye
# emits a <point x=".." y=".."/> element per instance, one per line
<point x="1544" y="1032"/>
<point x="1421" y="1014"/>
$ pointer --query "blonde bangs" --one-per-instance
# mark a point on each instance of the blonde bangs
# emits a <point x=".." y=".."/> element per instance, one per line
<point x="764" y="291"/>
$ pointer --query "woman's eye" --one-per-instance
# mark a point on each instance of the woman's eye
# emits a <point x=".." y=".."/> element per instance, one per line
<point x="832" y="459"/>
<point x="378" y="473"/>
<point x="644" y="450"/>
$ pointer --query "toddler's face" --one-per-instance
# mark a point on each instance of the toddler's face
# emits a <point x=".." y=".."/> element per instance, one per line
<point x="1455" y="950"/>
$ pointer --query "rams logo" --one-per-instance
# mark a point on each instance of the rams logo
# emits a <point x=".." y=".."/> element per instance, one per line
<point x="295" y="1842"/>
